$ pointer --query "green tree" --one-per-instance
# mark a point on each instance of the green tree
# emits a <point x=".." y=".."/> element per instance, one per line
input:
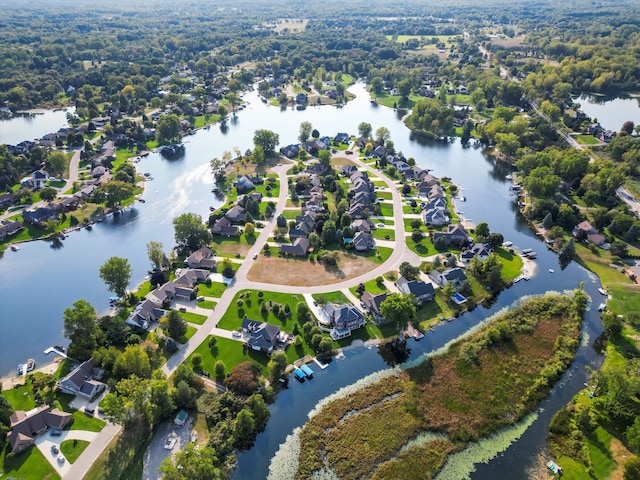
<point x="305" y="131"/>
<point x="176" y="326"/>
<point x="249" y="229"/>
<point x="399" y="308"/>
<point x="185" y="396"/>
<point x="482" y="230"/>
<point x="277" y="365"/>
<point x="189" y="231"/>
<point x="57" y="162"/>
<point x="219" y="369"/>
<point x="376" y="85"/>
<point x="133" y="361"/>
<point x="116" y="273"/>
<point x="408" y="271"/>
<point x="364" y="129"/>
<point x="259" y="410"/>
<point x="160" y="401"/>
<point x="196" y="360"/>
<point x="80" y="329"/>
<point x="268" y="140"/>
<point x="244" y="430"/>
<point x="633" y="435"/>
<point x="324" y="156"/>
<point x="382" y="135"/>
<point x="168" y="129"/>
<point x="155" y="253"/>
<point x="329" y="233"/>
<point x="632" y="469"/>
<point x="48" y="194"/>
<point x="195" y="462"/>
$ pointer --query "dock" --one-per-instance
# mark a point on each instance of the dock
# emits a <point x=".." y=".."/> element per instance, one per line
<point x="56" y="351"/>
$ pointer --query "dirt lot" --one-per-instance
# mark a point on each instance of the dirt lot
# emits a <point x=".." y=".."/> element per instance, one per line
<point x="302" y="272"/>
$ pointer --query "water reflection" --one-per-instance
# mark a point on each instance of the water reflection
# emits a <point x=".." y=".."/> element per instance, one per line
<point x="394" y="352"/>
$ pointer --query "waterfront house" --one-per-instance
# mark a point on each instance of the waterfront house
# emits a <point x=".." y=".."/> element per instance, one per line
<point x="482" y="251"/>
<point x="201" y="258"/>
<point x="343" y="318"/>
<point x="144" y="314"/>
<point x="373" y="303"/>
<point x="435" y="217"/>
<point x="9" y="228"/>
<point x="290" y="151"/>
<point x="422" y="291"/>
<point x="83" y="380"/>
<point x="455" y="275"/>
<point x="454" y="235"/>
<point x="235" y="214"/>
<point x="260" y="336"/>
<point x="224" y="228"/>
<point x="26" y="426"/>
<point x="39" y="216"/>
<point x="244" y="184"/>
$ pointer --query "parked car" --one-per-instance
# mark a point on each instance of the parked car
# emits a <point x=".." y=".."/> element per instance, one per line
<point x="235" y="334"/>
<point x="55" y="432"/>
<point x="255" y="255"/>
<point x="182" y="309"/>
<point x="54" y="449"/>
<point x="60" y="458"/>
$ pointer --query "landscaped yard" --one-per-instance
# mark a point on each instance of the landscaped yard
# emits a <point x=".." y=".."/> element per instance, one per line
<point x="29" y="465"/>
<point x="193" y="317"/>
<point x="333" y="297"/>
<point x="216" y="289"/>
<point x="249" y="303"/>
<point x="190" y="331"/>
<point x="372" y="287"/>
<point x="206" y="304"/>
<point x="384" y="234"/>
<point x="72" y="449"/>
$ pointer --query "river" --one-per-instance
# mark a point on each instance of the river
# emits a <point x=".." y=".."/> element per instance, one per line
<point x="41" y="280"/>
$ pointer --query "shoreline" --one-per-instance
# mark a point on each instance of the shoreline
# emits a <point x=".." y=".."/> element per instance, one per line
<point x="9" y="382"/>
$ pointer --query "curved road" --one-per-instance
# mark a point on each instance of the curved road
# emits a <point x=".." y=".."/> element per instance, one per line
<point x="400" y="254"/>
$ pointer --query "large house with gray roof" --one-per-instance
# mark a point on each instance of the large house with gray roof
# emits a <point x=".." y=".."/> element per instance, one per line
<point x="343" y="318"/>
<point x="26" y="426"/>
<point x="260" y="336"/>
<point x="83" y="380"/>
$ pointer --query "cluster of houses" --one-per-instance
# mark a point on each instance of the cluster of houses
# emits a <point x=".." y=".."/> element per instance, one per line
<point x="229" y="224"/>
<point x="600" y="133"/>
<point x="199" y="265"/>
<point x="83" y="380"/>
<point x="362" y="198"/>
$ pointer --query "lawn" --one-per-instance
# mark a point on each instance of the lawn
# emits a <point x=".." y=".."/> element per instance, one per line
<point x="216" y="289"/>
<point x="29" y="465"/>
<point x="231" y="246"/>
<point x="384" y="195"/>
<point x="123" y="457"/>
<point x="207" y="304"/>
<point x="420" y="248"/>
<point x="587" y="139"/>
<point x="249" y="303"/>
<point x="373" y="287"/>
<point x="511" y="264"/>
<point x="21" y="398"/>
<point x="384" y="234"/>
<point x="190" y="331"/>
<point x="333" y="297"/>
<point x="193" y="317"/>
<point x="72" y="449"/>
<point x="81" y="421"/>
<point x="230" y="352"/>
<point x="386" y="209"/>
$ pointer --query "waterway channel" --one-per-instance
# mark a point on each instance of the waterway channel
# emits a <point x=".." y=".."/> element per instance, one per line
<point x="42" y="279"/>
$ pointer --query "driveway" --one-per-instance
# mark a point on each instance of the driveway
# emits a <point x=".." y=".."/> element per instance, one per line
<point x="156" y="452"/>
<point x="46" y="441"/>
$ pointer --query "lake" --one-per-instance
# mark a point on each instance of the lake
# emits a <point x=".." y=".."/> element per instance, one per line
<point x="611" y="112"/>
<point x="33" y="124"/>
<point x="42" y="279"/>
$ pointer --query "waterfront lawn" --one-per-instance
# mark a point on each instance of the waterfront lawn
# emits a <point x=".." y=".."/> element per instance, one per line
<point x="248" y="303"/>
<point x="72" y="449"/>
<point x="29" y="465"/>
<point x="511" y="263"/>
<point x="384" y="234"/>
<point x="193" y="317"/>
<point x="365" y="333"/>
<point x="123" y="457"/>
<point x="21" y="398"/>
<point x="333" y="297"/>
<point x="215" y="290"/>
<point x="230" y="352"/>
<point x="587" y="139"/>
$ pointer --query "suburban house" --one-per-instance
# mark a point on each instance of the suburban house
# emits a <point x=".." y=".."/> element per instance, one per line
<point x="341" y="138"/>
<point x="316" y="168"/>
<point x="244" y="184"/>
<point x="9" y="228"/>
<point x="439" y="203"/>
<point x="290" y="151"/>
<point x="298" y="248"/>
<point x="235" y="214"/>
<point x="481" y="250"/>
<point x="224" y="227"/>
<point x="357" y="210"/>
<point x="301" y="230"/>
<point x="144" y="314"/>
<point x="589" y="232"/>
<point x="201" y="258"/>
<point x="373" y="303"/>
<point x="343" y="318"/>
<point x="6" y="199"/>
<point x="83" y="380"/>
<point x="379" y="152"/>
<point x="454" y="235"/>
<point x="25" y="426"/>
<point x="36" y="181"/>
<point x="424" y="292"/>
<point x="260" y="336"/>
<point x="455" y="275"/>
<point x="348" y="169"/>
<point x="363" y="241"/>
<point x="363" y="225"/>
<point x="180" y="288"/>
<point x="436" y="217"/>
<point x="39" y="216"/>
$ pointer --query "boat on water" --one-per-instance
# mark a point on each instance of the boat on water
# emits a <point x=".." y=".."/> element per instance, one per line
<point x="602" y="291"/>
<point x="307" y="371"/>
<point x="551" y="270"/>
<point x="418" y="335"/>
<point x="26" y="367"/>
<point x="14" y="248"/>
<point x="299" y="374"/>
<point x="602" y="307"/>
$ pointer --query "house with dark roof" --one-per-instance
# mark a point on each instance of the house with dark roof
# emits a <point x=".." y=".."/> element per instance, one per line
<point x="348" y="170"/>
<point x="290" y="151"/>
<point x="235" y="214"/>
<point x="244" y="184"/>
<point x="298" y="248"/>
<point x="301" y="230"/>
<point x="316" y="168"/>
<point x="9" y="228"/>
<point x="26" y="426"/>
<point x="454" y="235"/>
<point x="6" y="199"/>
<point x="436" y="217"/>
<point x="379" y="152"/>
<point x="363" y="225"/>
<point x="343" y="318"/>
<point x="182" y="288"/>
<point x="423" y="291"/>
<point x="357" y="210"/>
<point x="39" y="216"/>
<point x="373" y="303"/>
<point x="363" y="241"/>
<point x="224" y="228"/>
<point x="342" y="138"/>
<point x="455" y="275"/>
<point x="83" y="380"/>
<point x="144" y="315"/>
<point x="482" y="251"/>
<point x="201" y="258"/>
<point x="260" y="336"/>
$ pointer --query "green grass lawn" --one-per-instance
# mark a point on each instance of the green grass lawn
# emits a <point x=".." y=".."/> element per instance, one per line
<point x="21" y="398"/>
<point x="372" y="287"/>
<point x="207" y="304"/>
<point x="511" y="263"/>
<point x="384" y="195"/>
<point x="190" y="331"/>
<point x="383" y="233"/>
<point x="230" y="352"/>
<point x="420" y="248"/>
<point x="29" y="465"/>
<point x="386" y="209"/>
<point x="215" y="290"/>
<point x="409" y="228"/>
<point x="72" y="449"/>
<point x="193" y="317"/>
<point x="396" y="101"/>
<point x="587" y="139"/>
<point x="333" y="297"/>
<point x="251" y="308"/>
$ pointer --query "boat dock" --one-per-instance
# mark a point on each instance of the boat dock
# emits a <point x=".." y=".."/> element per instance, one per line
<point x="56" y="351"/>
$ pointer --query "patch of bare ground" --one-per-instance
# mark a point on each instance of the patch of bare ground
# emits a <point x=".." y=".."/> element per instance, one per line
<point x="230" y="249"/>
<point x="304" y="273"/>
<point x="242" y="167"/>
<point x="620" y="455"/>
<point x="338" y="161"/>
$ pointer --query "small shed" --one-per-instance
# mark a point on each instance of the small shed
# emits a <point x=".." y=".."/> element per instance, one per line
<point x="181" y="418"/>
<point x="554" y="467"/>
